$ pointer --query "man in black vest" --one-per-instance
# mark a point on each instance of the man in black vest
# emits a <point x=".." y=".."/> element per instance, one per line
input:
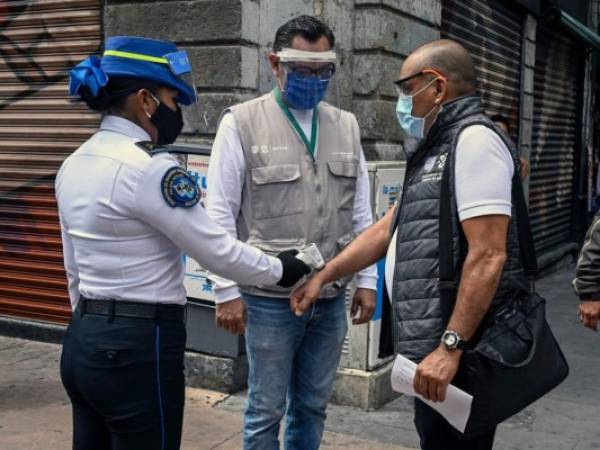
<point x="445" y="124"/>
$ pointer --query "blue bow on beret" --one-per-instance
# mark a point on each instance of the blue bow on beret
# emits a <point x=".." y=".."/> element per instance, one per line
<point x="137" y="57"/>
<point x="88" y="73"/>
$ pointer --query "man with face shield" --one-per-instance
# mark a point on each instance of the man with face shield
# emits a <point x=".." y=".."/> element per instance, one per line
<point x="127" y="210"/>
<point x="287" y="170"/>
<point x="447" y="132"/>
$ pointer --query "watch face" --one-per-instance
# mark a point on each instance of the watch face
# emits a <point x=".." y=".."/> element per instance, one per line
<point x="450" y="340"/>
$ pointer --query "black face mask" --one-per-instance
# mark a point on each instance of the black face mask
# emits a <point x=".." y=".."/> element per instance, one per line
<point x="169" y="123"/>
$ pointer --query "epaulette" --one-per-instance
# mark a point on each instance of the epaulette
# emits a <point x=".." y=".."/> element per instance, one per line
<point x="154" y="149"/>
<point x="151" y="148"/>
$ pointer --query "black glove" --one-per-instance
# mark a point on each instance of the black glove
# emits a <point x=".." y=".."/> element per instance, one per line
<point x="293" y="268"/>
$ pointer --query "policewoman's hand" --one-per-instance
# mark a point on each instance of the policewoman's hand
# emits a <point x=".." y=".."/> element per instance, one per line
<point x="231" y="315"/>
<point x="293" y="268"/>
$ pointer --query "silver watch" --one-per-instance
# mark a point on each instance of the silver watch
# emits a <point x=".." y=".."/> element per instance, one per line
<point x="452" y="340"/>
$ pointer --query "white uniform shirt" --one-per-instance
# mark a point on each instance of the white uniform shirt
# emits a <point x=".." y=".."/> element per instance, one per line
<point x="483" y="182"/>
<point x="226" y="175"/>
<point x="121" y="240"/>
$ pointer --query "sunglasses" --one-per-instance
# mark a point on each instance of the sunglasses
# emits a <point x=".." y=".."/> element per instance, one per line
<point x="402" y="86"/>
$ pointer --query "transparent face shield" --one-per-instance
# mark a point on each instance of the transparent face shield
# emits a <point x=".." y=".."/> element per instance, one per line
<point x="196" y="116"/>
<point x="307" y="80"/>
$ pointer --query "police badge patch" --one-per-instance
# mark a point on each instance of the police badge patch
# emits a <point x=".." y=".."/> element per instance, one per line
<point x="179" y="188"/>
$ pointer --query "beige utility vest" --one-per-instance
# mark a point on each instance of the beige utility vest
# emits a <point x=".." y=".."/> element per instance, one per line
<point x="289" y="199"/>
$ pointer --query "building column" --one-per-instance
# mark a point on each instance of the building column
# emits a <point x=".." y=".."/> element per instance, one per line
<point x="385" y="33"/>
<point x="527" y="91"/>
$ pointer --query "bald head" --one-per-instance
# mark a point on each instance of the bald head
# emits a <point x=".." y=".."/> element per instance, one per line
<point x="450" y="58"/>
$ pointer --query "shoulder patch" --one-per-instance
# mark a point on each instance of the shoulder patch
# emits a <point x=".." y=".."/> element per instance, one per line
<point x="179" y="188"/>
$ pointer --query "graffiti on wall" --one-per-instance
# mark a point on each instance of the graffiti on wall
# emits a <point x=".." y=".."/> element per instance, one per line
<point x="39" y="43"/>
<point x="19" y="57"/>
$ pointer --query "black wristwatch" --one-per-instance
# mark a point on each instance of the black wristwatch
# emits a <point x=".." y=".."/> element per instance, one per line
<point x="452" y="341"/>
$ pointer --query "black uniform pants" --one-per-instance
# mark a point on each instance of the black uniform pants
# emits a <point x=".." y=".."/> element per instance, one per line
<point x="125" y="381"/>
<point x="437" y="434"/>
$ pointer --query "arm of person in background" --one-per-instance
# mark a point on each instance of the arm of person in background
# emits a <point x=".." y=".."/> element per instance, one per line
<point x="368" y="248"/>
<point x="364" y="301"/>
<point x="524" y="170"/>
<point x="226" y="173"/>
<point x="587" y="281"/>
<point x="483" y="199"/>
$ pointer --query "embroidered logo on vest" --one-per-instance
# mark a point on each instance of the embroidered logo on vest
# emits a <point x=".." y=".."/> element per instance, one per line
<point x="434" y="168"/>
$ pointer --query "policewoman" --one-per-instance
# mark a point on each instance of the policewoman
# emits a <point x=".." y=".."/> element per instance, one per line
<point x="127" y="211"/>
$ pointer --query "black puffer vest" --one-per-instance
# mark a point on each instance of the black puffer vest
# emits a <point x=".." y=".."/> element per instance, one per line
<point x="418" y="323"/>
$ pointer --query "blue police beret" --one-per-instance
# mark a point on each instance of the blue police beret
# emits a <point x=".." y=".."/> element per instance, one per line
<point x="132" y="56"/>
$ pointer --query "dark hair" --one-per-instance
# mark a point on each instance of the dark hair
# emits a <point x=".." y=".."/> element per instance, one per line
<point x="307" y="27"/>
<point x="502" y="119"/>
<point x="112" y="97"/>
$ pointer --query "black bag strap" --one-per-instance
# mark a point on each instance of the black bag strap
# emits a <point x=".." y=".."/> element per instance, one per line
<point x="448" y="283"/>
<point x="527" y="250"/>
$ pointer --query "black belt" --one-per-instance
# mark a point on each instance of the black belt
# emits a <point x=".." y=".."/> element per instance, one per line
<point x="137" y="310"/>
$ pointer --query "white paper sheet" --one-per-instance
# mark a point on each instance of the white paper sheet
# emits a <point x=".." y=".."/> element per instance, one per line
<point x="455" y="409"/>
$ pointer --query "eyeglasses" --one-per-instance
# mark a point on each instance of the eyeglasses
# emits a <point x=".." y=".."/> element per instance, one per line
<point x="402" y="86"/>
<point x="322" y="73"/>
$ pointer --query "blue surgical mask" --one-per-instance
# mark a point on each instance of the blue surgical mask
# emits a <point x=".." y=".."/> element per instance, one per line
<point x="413" y="126"/>
<point x="304" y="92"/>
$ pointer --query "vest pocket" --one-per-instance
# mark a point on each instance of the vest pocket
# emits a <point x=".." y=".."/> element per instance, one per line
<point x="275" y="246"/>
<point x="276" y="191"/>
<point x="344" y="174"/>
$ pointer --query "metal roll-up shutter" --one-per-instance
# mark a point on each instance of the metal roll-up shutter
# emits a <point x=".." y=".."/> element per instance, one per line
<point x="557" y="96"/>
<point x="491" y="31"/>
<point x="40" y="40"/>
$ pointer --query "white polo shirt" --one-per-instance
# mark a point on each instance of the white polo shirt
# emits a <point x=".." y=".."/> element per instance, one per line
<point x="483" y="182"/>
<point x="123" y="241"/>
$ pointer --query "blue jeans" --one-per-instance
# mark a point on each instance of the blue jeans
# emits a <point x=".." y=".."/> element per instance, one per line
<point x="293" y="358"/>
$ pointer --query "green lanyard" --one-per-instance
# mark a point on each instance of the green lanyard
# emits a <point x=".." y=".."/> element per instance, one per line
<point x="310" y="145"/>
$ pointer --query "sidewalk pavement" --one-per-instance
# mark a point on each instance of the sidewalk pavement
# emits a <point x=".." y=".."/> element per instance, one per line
<point x="35" y="413"/>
